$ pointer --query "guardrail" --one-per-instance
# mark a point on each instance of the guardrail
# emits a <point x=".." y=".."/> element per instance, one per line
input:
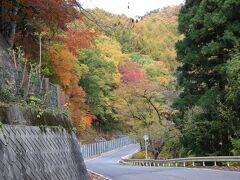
<point x="96" y="149"/>
<point x="191" y="161"/>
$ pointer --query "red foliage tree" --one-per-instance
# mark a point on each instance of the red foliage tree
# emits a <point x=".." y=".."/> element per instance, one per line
<point x="75" y="39"/>
<point x="25" y="17"/>
<point x="55" y="13"/>
<point x="131" y="72"/>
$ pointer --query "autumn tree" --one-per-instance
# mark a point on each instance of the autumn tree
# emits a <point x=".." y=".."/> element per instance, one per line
<point x="24" y="17"/>
<point x="144" y="101"/>
<point x="154" y="70"/>
<point x="111" y="49"/>
<point x="67" y="71"/>
<point x="144" y="107"/>
<point x="98" y="83"/>
<point x="131" y="72"/>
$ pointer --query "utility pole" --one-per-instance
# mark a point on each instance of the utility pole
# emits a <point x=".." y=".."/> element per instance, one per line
<point x="40" y="35"/>
<point x="40" y="53"/>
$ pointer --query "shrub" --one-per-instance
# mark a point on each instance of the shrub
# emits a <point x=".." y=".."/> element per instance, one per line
<point x="5" y="94"/>
<point x="236" y="147"/>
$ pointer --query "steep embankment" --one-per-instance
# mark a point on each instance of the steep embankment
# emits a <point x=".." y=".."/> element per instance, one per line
<point x="34" y="144"/>
<point x="7" y="71"/>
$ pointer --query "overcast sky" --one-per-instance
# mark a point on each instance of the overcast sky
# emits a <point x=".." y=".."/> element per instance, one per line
<point x="137" y="7"/>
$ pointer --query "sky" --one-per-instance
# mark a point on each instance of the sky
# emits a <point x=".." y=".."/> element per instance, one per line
<point x="136" y="7"/>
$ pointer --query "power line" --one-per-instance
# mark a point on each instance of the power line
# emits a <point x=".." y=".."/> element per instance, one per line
<point x="92" y="17"/>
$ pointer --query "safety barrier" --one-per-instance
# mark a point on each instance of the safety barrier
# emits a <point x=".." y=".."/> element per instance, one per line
<point x="191" y="161"/>
<point x="96" y="149"/>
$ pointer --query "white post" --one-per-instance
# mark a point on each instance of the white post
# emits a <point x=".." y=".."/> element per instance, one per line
<point x="145" y="137"/>
<point x="146" y="149"/>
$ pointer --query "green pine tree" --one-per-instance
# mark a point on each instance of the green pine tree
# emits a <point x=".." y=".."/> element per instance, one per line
<point x="211" y="31"/>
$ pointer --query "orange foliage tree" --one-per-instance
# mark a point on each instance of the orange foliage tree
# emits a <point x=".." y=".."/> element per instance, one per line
<point x="62" y="63"/>
<point x="21" y="22"/>
<point x="75" y="39"/>
<point x="66" y="68"/>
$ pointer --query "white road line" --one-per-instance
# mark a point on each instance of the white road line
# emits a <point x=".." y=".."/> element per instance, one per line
<point x="218" y="170"/>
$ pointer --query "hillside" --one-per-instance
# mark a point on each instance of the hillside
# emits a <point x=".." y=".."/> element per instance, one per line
<point x="136" y="60"/>
<point x="172" y="74"/>
<point x="158" y="31"/>
<point x="151" y="39"/>
<point x="114" y="74"/>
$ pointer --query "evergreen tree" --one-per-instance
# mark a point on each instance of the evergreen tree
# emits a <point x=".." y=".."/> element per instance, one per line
<point x="211" y="33"/>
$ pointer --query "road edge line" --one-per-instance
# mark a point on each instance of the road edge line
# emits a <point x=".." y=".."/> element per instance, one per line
<point x="218" y="170"/>
<point x="129" y="155"/>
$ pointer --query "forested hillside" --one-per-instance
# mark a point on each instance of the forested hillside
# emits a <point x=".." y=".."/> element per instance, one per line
<point x="116" y="72"/>
<point x="172" y="74"/>
<point x="135" y="95"/>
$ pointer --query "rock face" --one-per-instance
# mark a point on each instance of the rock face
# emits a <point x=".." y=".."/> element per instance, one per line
<point x="28" y="153"/>
<point x="7" y="70"/>
<point x="15" y="115"/>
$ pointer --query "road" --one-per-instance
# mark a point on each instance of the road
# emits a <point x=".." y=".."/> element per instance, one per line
<point x="108" y="166"/>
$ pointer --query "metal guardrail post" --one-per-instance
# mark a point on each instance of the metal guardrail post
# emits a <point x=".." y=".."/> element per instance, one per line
<point x="86" y="149"/>
<point x="101" y="147"/>
<point x="105" y="147"/>
<point x="96" y="148"/>
<point x="90" y="150"/>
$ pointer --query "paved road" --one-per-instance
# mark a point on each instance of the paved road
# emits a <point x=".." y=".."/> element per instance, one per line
<point x="108" y="166"/>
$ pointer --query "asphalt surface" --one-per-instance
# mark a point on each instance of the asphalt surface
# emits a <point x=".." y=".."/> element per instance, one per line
<point x="108" y="166"/>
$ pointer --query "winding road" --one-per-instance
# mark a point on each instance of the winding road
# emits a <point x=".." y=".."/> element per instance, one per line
<point x="108" y="166"/>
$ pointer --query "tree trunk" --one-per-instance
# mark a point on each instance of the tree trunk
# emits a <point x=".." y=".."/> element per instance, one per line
<point x="2" y="16"/>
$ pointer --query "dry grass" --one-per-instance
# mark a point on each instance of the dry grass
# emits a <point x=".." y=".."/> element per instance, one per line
<point x="93" y="176"/>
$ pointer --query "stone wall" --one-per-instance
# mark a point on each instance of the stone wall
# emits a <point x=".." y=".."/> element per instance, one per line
<point x="32" y="153"/>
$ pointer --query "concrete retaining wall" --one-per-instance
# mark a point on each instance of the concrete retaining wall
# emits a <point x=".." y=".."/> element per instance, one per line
<point x="31" y="153"/>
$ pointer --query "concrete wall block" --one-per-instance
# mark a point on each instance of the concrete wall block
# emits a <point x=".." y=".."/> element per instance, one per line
<point x="29" y="153"/>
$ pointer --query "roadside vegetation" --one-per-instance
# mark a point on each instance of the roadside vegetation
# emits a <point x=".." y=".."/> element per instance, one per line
<point x="173" y="74"/>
